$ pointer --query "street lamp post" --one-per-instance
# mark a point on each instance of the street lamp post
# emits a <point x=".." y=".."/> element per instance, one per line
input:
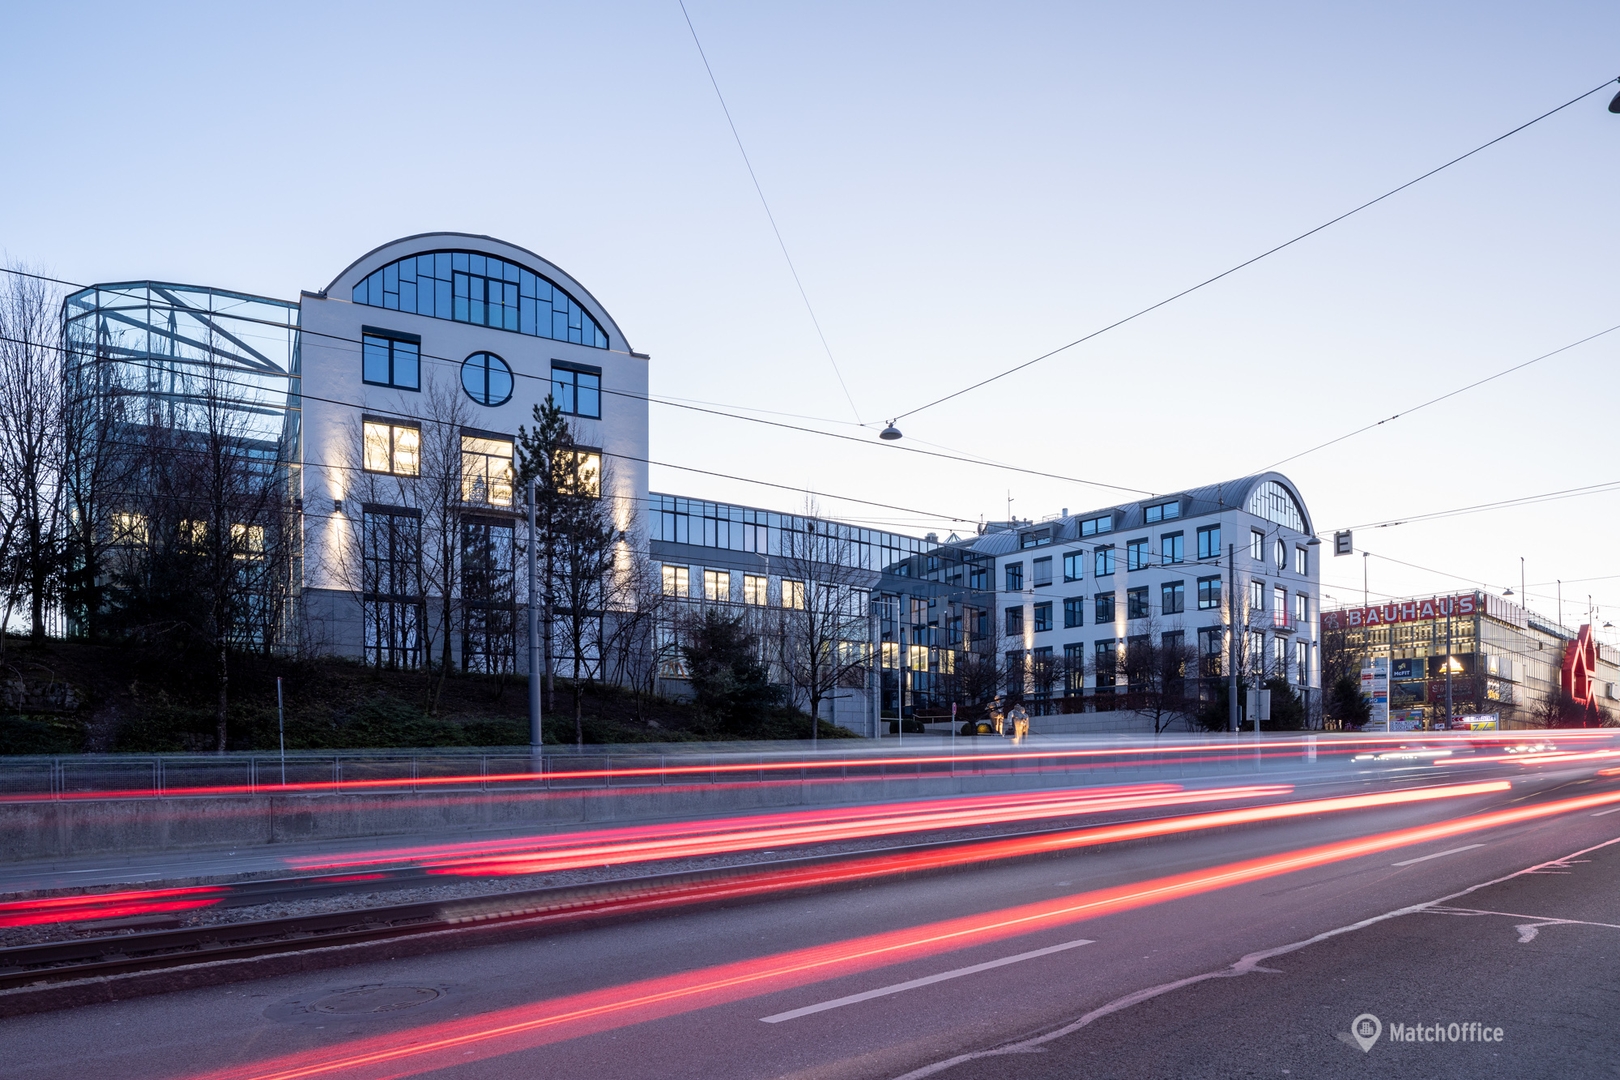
<point x="534" y="632"/>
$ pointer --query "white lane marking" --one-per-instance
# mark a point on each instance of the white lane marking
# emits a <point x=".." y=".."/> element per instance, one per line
<point x="1243" y="966"/>
<point x="1600" y="813"/>
<point x="927" y="980"/>
<point x="1436" y="855"/>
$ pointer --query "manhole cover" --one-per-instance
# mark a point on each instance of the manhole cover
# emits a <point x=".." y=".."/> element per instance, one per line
<point x="374" y="999"/>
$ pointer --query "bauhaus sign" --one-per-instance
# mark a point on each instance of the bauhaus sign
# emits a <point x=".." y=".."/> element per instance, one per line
<point x="1439" y="607"/>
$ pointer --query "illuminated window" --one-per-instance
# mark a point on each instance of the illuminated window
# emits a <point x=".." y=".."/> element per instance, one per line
<point x="754" y="589"/>
<point x="717" y="585"/>
<point x="392" y="448"/>
<point x="676" y="581"/>
<point x="193" y="533"/>
<point x="486" y="470"/>
<point x="129" y="527"/>
<point x="247" y="541"/>
<point x="579" y="472"/>
<point x="793" y="594"/>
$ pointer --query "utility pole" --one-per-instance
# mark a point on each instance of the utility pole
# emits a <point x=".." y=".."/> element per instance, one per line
<point x="281" y="732"/>
<point x="534" y="633"/>
<point x="1448" y="666"/>
<point x="1232" y="650"/>
<point x="1364" y="601"/>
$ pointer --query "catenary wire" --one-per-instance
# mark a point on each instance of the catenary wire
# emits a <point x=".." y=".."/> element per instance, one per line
<point x="770" y="216"/>
<point x="1251" y="261"/>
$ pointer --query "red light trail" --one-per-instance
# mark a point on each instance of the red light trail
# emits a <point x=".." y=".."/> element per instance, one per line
<point x="524" y="1027"/>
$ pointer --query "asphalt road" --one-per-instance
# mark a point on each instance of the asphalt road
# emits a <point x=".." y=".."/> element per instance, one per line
<point x="963" y="976"/>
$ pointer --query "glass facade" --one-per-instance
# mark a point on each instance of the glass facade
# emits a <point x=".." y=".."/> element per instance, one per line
<point x="485" y="291"/>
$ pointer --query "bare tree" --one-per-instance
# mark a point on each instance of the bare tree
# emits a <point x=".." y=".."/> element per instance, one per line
<point x="634" y="648"/>
<point x="31" y="441"/>
<point x="822" y="619"/>
<point x="1155" y="666"/>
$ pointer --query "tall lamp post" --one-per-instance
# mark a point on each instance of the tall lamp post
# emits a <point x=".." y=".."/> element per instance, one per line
<point x="534" y="633"/>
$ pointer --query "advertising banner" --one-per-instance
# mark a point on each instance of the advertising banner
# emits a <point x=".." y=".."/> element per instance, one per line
<point x="1375" y="688"/>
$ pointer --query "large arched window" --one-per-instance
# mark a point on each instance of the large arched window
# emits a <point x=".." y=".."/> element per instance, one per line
<point x="1273" y="502"/>
<point x="483" y="290"/>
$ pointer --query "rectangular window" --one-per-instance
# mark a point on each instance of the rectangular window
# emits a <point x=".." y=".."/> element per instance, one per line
<point x="1103" y="602"/>
<point x="1041" y="572"/>
<point x="1043" y="616"/>
<point x="677" y="581"/>
<point x="1256" y="659"/>
<point x="793" y="594"/>
<point x="1279" y="606"/>
<point x="1015" y="577"/>
<point x="1074" y="667"/>
<point x="391" y="573"/>
<point x="579" y="472"/>
<point x="1257" y="545"/>
<point x="387" y="360"/>
<point x="1035" y="538"/>
<point x="1074" y="564"/>
<point x="1210" y="643"/>
<point x="577" y="391"/>
<point x="1163" y="512"/>
<point x="1209" y="542"/>
<point x="1174" y="643"/>
<point x="978" y="578"/>
<point x="1172" y="549"/>
<point x="1136" y="603"/>
<point x="1015" y="671"/>
<point x="1173" y="597"/>
<point x="1302" y="561"/>
<point x="486" y="470"/>
<point x="1302" y="608"/>
<point x="1302" y="662"/>
<point x="1015" y="620"/>
<point x="488" y="607"/>
<point x="392" y="448"/>
<point x="717" y="585"/>
<point x="1279" y="656"/>
<point x="1107" y="663"/>
<point x="754" y="589"/>
<point x="1209" y="593"/>
<point x="1104" y="562"/>
<point x="1074" y="612"/>
<point x="1093" y="526"/>
<point x="1257" y="596"/>
<point x="1136" y="556"/>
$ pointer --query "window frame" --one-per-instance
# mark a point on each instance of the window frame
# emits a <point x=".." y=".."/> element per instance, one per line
<point x="1136" y="554"/>
<point x="1013" y="620"/>
<point x="1074" y="612"/>
<point x="1074" y="560"/>
<point x="1103" y="557"/>
<point x="392" y="338"/>
<point x="1041" y="616"/>
<point x="1138" y="603"/>
<point x="1035" y="568"/>
<point x="1257" y="545"/>
<point x="1169" y="589"/>
<point x="1213" y="603"/>
<point x="392" y="427"/>
<point x="1103" y="609"/>
<point x="1013" y="576"/>
<point x="1209" y="537"/>
<point x="572" y="408"/>
<point x="486" y="367"/>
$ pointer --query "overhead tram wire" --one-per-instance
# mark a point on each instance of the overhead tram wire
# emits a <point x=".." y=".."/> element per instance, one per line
<point x="760" y="191"/>
<point x="357" y="344"/>
<point x="1436" y="400"/>
<point x="1251" y="261"/>
<point x="386" y="413"/>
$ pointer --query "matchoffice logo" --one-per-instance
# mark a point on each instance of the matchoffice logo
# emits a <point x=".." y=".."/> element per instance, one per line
<point x="1366" y="1029"/>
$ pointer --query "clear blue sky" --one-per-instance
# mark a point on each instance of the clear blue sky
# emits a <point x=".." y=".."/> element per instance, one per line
<point x="962" y="187"/>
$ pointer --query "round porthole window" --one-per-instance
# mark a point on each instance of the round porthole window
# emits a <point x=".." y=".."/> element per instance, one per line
<point x="486" y="378"/>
